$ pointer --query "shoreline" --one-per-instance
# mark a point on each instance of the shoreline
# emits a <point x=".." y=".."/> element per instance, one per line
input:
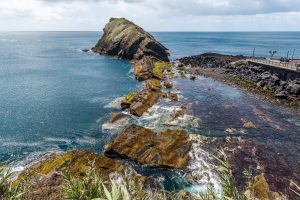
<point x="225" y="68"/>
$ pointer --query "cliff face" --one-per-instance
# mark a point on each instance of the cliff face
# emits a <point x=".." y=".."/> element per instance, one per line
<point x="126" y="40"/>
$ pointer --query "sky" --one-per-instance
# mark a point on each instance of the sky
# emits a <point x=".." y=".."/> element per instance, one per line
<point x="152" y="15"/>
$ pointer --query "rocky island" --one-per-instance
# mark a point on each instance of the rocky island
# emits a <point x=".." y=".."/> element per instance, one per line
<point x="135" y="147"/>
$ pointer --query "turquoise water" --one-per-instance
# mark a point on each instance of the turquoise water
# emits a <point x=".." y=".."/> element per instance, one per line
<point x="54" y="97"/>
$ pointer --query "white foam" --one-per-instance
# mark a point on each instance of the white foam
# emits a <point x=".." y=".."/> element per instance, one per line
<point x="116" y="103"/>
<point x="201" y="171"/>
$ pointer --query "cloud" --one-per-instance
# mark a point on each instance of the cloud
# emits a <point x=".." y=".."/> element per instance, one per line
<point x="160" y="15"/>
<point x="207" y="7"/>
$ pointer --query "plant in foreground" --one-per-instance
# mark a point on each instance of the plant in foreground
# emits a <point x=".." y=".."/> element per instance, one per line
<point x="297" y="188"/>
<point x="7" y="191"/>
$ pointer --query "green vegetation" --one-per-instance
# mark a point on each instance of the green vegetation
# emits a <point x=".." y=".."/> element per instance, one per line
<point x="124" y="187"/>
<point x="159" y="68"/>
<point x="120" y="188"/>
<point x="272" y="53"/>
<point x="7" y="191"/>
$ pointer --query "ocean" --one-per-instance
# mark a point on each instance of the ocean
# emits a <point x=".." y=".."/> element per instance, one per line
<point x="54" y="97"/>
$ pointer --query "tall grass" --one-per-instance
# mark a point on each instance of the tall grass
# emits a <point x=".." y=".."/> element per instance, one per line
<point x="297" y="188"/>
<point x="7" y="191"/>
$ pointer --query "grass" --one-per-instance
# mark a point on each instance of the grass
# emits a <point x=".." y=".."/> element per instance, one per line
<point x="297" y="188"/>
<point x="7" y="191"/>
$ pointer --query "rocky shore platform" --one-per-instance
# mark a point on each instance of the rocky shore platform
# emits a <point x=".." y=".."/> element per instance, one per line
<point x="276" y="85"/>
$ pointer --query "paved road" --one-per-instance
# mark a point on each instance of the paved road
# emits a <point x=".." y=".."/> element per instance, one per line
<point x="290" y="65"/>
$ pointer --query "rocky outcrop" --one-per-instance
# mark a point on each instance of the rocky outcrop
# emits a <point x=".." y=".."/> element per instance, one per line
<point x="46" y="180"/>
<point x="167" y="149"/>
<point x="126" y="40"/>
<point x="139" y="102"/>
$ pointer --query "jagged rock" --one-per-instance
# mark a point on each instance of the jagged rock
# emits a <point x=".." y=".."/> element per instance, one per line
<point x="45" y="178"/>
<point x="153" y="84"/>
<point x="160" y="68"/>
<point x="281" y="95"/>
<point x="168" y="84"/>
<point x="143" y="69"/>
<point x="118" y="116"/>
<point x="126" y="40"/>
<point x="143" y="101"/>
<point x="192" y="77"/>
<point x="173" y="96"/>
<point x="128" y="100"/>
<point x="167" y="149"/>
<point x="75" y="162"/>
<point x="294" y="88"/>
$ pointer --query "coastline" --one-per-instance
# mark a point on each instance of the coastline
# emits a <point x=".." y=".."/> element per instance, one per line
<point x="167" y="149"/>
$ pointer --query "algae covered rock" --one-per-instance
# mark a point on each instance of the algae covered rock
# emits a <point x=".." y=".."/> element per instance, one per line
<point x="126" y="40"/>
<point x="140" y="102"/>
<point x="145" y="99"/>
<point x="153" y="84"/>
<point x="46" y="180"/>
<point x="168" y="149"/>
<point x="75" y="163"/>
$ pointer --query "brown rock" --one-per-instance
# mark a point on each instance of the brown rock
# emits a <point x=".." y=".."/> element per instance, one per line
<point x="117" y="116"/>
<point x="153" y="84"/>
<point x="143" y="101"/>
<point x="126" y="40"/>
<point x="168" y="84"/>
<point x="173" y="96"/>
<point x="143" y="69"/>
<point x="45" y="179"/>
<point x="167" y="149"/>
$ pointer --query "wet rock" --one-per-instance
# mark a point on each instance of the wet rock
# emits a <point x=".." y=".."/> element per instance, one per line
<point x="143" y="69"/>
<point x="153" y="84"/>
<point x="249" y="125"/>
<point x="85" y="50"/>
<point x="128" y="100"/>
<point x="142" y="101"/>
<point x="193" y="77"/>
<point x="126" y="40"/>
<point x="173" y="96"/>
<point x="282" y="95"/>
<point x="168" y="84"/>
<point x="76" y="163"/>
<point x="167" y="149"/>
<point x="45" y="178"/>
<point x="117" y="116"/>
<point x="160" y="68"/>
<point x="294" y="88"/>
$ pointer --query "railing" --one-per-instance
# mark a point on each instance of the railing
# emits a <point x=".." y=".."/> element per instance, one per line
<point x="286" y="65"/>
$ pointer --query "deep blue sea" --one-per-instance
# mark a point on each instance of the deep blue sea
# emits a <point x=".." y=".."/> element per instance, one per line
<point x="54" y="97"/>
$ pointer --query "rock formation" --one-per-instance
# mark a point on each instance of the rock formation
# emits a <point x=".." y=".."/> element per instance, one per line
<point x="126" y="40"/>
<point x="167" y="149"/>
<point x="46" y="180"/>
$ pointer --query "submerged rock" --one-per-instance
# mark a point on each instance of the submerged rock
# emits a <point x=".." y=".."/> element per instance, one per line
<point x="167" y="149"/>
<point x="126" y="40"/>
